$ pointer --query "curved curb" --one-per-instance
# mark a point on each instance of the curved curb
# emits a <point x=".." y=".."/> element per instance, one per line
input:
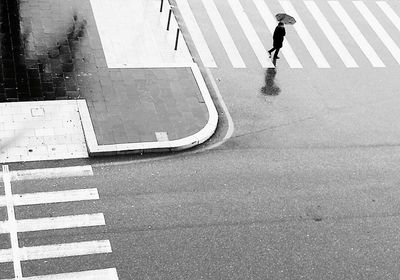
<point x="94" y="149"/>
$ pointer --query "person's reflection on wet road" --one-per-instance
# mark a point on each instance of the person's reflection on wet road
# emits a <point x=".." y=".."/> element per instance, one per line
<point x="270" y="88"/>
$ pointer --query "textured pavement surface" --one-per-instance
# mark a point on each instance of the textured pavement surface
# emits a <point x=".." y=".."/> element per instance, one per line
<point x="61" y="56"/>
<point x="40" y="131"/>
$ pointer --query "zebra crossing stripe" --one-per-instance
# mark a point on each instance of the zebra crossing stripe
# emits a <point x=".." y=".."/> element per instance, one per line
<point x="196" y="34"/>
<point x="55" y="197"/>
<point x="65" y="250"/>
<point x="100" y="274"/>
<point x="73" y="221"/>
<point x="12" y="224"/>
<point x="6" y="255"/>
<point x="331" y="35"/>
<point x="270" y="22"/>
<point x="223" y="34"/>
<point x="356" y="34"/>
<point x="69" y="171"/>
<point x="389" y="13"/>
<point x="305" y="36"/>
<point x="379" y="30"/>
<point x="251" y="34"/>
<point x="52" y="197"/>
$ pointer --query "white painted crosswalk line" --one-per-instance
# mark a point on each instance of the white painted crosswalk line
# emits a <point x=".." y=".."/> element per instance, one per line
<point x="75" y="221"/>
<point x="356" y="34"/>
<point x="333" y="38"/>
<point x="100" y="274"/>
<point x="379" y="30"/>
<point x="270" y="22"/>
<point x="6" y="255"/>
<point x="305" y="36"/>
<point x="55" y="197"/>
<point x="251" y="34"/>
<point x="58" y="172"/>
<point x="58" y="250"/>
<point x="12" y="223"/>
<point x="196" y="34"/>
<point x="389" y="13"/>
<point x="65" y="250"/>
<point x="86" y="220"/>
<point x="223" y="34"/>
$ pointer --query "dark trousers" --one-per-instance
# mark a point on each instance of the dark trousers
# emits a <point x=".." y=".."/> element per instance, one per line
<point x="276" y="51"/>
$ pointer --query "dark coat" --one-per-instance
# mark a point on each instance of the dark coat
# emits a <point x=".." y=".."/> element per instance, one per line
<point x="279" y="33"/>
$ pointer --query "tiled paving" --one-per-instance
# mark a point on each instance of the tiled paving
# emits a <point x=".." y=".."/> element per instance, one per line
<point x="34" y="64"/>
<point x="41" y="130"/>
<point x="64" y="58"/>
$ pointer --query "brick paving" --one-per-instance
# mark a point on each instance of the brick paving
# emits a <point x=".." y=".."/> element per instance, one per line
<point x="58" y="55"/>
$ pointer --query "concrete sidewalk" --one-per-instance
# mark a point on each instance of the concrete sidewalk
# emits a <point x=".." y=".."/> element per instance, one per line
<point x="137" y="93"/>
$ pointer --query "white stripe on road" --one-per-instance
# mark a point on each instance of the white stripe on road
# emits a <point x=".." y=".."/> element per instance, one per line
<point x="6" y="255"/>
<point x="356" y="34"/>
<point x="52" y="197"/>
<point x="223" y="34"/>
<point x="379" y="30"/>
<point x="270" y="22"/>
<point x="70" y="171"/>
<point x="196" y="34"/>
<point x="333" y="38"/>
<point x="101" y="274"/>
<point x="12" y="224"/>
<point x="65" y="250"/>
<point x="74" y="221"/>
<point x="309" y="42"/>
<point x="251" y="34"/>
<point x="389" y="13"/>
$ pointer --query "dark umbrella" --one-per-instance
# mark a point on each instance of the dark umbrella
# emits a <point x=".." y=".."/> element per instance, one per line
<point x="286" y="19"/>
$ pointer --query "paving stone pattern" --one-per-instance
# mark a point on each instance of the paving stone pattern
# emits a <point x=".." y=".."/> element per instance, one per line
<point x="60" y="56"/>
<point x="32" y="66"/>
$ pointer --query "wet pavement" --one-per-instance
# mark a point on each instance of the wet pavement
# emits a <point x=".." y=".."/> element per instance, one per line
<point x="52" y="50"/>
<point x="32" y="68"/>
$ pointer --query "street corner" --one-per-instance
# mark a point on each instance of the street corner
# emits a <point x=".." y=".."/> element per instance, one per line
<point x="171" y="116"/>
<point x="41" y="130"/>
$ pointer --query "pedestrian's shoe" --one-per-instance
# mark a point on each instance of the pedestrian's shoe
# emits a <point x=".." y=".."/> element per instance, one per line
<point x="269" y="54"/>
<point x="277" y="57"/>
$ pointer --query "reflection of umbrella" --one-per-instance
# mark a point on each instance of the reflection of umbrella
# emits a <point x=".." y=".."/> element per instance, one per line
<point x="286" y="19"/>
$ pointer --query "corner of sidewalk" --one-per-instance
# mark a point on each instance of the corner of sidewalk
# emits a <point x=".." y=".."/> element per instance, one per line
<point x="103" y="147"/>
<point x="96" y="149"/>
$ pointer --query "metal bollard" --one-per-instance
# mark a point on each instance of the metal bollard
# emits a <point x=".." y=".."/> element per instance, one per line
<point x="162" y="2"/>
<point x="169" y="18"/>
<point x="177" y="37"/>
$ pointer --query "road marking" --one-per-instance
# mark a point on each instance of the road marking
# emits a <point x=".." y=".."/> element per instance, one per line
<point x="356" y="34"/>
<point x="16" y="255"/>
<point x="101" y="274"/>
<point x="389" y="13"/>
<point x="379" y="30"/>
<point x="74" y="221"/>
<point x="196" y="34"/>
<point x="223" y="34"/>
<point x="305" y="36"/>
<point x="65" y="250"/>
<point x="331" y="35"/>
<point x="47" y="173"/>
<point x="12" y="224"/>
<point x="270" y="22"/>
<point x="52" y="197"/>
<point x="250" y="34"/>
<point x="6" y="255"/>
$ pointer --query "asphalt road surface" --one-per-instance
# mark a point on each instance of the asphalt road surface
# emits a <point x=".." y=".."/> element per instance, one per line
<point x="306" y="187"/>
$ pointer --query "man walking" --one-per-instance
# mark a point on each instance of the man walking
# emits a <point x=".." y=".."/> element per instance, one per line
<point x="279" y="33"/>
